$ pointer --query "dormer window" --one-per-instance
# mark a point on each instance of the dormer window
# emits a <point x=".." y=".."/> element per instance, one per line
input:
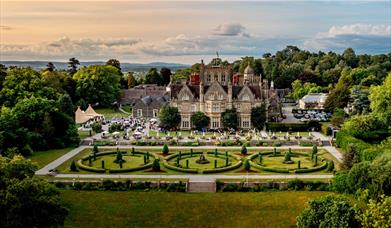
<point x="185" y="97"/>
<point x="246" y="98"/>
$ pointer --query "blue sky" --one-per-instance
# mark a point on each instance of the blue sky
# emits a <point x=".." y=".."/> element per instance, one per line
<point x="186" y="32"/>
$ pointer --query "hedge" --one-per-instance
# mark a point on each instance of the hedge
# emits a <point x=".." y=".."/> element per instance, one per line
<point x="276" y="126"/>
<point x="149" y="165"/>
<point x="343" y="139"/>
<point x="269" y="169"/>
<point x="310" y="170"/>
<point x="175" y="168"/>
<point x="222" y="169"/>
<point x="81" y="166"/>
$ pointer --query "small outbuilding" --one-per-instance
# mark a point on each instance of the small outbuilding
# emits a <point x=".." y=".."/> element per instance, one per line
<point x="88" y="116"/>
<point x="313" y="101"/>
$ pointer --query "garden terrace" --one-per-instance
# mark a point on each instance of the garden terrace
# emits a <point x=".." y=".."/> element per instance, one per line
<point x="134" y="164"/>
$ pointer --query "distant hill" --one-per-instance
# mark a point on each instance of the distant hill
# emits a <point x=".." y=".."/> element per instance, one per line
<point x="38" y="65"/>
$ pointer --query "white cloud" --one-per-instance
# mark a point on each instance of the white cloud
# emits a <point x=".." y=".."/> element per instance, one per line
<point x="230" y="30"/>
<point x="364" y="38"/>
<point x="359" y="29"/>
<point x="64" y="47"/>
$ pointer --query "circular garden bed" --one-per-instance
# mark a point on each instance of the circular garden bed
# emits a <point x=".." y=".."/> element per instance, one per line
<point x="293" y="163"/>
<point x="108" y="162"/>
<point x="202" y="162"/>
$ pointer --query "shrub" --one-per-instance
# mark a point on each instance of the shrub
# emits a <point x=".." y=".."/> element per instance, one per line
<point x="115" y="127"/>
<point x="247" y="165"/>
<point x="156" y="165"/>
<point x="96" y="127"/>
<point x="330" y="166"/>
<point x="328" y="211"/>
<point x="350" y="157"/>
<point x="165" y="149"/>
<point x="108" y="185"/>
<point x="243" y="150"/>
<point x="73" y="167"/>
<point x="296" y="184"/>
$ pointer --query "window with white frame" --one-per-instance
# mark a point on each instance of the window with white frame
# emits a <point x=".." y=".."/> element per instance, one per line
<point x="246" y="97"/>
<point x="208" y="78"/>
<point x="155" y="112"/>
<point x="215" y="122"/>
<point x="193" y="108"/>
<point x="237" y="107"/>
<point x="221" y="97"/>
<point x="216" y="108"/>
<point x="185" y="97"/>
<point x="246" y="122"/>
<point x="211" y="97"/>
<point x="139" y="112"/>
<point x="185" y="122"/>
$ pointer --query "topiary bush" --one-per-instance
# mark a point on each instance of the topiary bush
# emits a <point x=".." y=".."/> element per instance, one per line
<point x="243" y="151"/>
<point x="156" y="165"/>
<point x="73" y="167"/>
<point x="165" y="149"/>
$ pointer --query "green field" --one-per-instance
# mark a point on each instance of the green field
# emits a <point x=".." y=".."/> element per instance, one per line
<point x="159" y="209"/>
<point x="42" y="158"/>
<point x="110" y="113"/>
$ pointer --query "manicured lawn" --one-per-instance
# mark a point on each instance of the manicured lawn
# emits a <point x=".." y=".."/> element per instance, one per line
<point x="42" y="158"/>
<point x="160" y="209"/>
<point x="110" y="113"/>
<point x="85" y="134"/>
<point x="293" y="134"/>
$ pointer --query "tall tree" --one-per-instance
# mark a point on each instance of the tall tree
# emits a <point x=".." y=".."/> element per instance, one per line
<point x="153" y="77"/>
<point x="50" y="67"/>
<point x="131" y="80"/>
<point x="166" y="75"/>
<point x="3" y="74"/>
<point x="258" y="116"/>
<point x="115" y="63"/>
<point x="73" y="63"/>
<point x="27" y="201"/>
<point x="229" y="118"/>
<point x="24" y="82"/>
<point x="199" y="120"/>
<point x="380" y="97"/>
<point x="98" y="84"/>
<point x="169" y="117"/>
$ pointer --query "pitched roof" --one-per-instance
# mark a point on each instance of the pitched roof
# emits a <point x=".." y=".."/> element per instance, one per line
<point x="84" y="116"/>
<point x="315" y="98"/>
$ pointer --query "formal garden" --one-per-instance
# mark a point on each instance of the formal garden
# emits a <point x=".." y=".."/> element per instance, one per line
<point x="179" y="160"/>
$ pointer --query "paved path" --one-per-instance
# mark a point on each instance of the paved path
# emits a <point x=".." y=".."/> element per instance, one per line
<point x="197" y="178"/>
<point x="54" y="164"/>
<point x="333" y="151"/>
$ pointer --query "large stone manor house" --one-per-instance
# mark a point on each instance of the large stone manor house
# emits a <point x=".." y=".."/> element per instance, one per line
<point x="216" y="88"/>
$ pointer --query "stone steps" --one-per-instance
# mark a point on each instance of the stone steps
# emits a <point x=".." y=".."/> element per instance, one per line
<point x="202" y="187"/>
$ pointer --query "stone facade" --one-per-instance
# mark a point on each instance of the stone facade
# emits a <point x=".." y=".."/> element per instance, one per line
<point x="216" y="88"/>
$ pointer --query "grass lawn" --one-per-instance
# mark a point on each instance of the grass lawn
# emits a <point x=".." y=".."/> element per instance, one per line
<point x="85" y="134"/>
<point x="183" y="134"/>
<point x="42" y="158"/>
<point x="293" y="134"/>
<point x="160" y="209"/>
<point x="110" y="113"/>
